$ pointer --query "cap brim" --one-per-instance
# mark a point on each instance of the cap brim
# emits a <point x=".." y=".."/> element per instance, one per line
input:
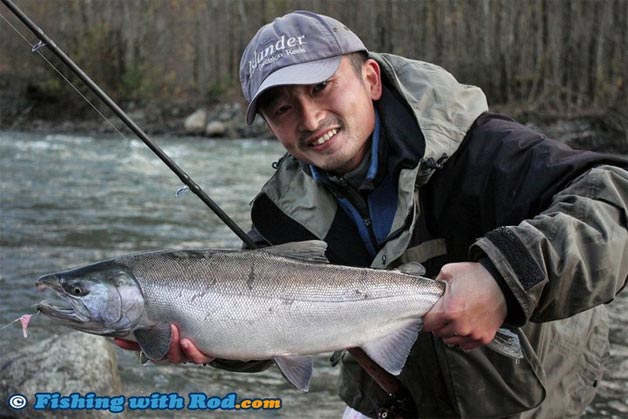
<point x="305" y="73"/>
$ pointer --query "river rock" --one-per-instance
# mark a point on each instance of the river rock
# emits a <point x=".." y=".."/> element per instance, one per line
<point x="216" y="129"/>
<point x="195" y="123"/>
<point x="72" y="363"/>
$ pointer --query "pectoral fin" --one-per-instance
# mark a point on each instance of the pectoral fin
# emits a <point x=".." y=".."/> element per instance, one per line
<point x="297" y="370"/>
<point x="391" y="351"/>
<point x="154" y="341"/>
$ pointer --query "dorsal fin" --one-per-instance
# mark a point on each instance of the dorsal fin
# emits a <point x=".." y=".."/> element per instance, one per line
<point x="412" y="268"/>
<point x="312" y="251"/>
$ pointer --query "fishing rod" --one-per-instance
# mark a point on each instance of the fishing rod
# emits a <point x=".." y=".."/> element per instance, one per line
<point x="45" y="40"/>
<point x="390" y="384"/>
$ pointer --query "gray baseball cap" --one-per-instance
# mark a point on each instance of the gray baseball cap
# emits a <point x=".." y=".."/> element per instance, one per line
<point x="299" y="48"/>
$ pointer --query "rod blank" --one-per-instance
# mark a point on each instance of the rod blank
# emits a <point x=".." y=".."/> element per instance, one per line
<point x="184" y="177"/>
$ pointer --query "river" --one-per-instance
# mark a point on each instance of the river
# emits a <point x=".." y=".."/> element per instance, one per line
<point x="68" y="200"/>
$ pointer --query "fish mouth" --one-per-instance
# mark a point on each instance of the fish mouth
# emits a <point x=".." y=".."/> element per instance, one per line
<point x="65" y="313"/>
<point x="65" y="307"/>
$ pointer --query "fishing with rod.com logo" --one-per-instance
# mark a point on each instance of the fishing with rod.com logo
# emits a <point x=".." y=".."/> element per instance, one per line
<point x="154" y="401"/>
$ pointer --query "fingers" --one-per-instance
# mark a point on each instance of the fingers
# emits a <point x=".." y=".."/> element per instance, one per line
<point x="193" y="354"/>
<point x="180" y="351"/>
<point x="126" y="344"/>
<point x="450" y="330"/>
<point x="183" y="350"/>
<point x="455" y="336"/>
<point x="175" y="354"/>
<point x="435" y="319"/>
<point x="471" y="309"/>
<point x="465" y="342"/>
<point x="445" y="274"/>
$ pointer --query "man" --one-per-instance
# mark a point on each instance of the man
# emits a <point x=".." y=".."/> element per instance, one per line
<point x="391" y="160"/>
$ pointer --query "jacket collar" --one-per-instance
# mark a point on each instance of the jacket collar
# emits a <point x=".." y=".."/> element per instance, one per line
<point x="444" y="111"/>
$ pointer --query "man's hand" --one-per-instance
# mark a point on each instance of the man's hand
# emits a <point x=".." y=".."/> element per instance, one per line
<point x="471" y="310"/>
<point x="181" y="350"/>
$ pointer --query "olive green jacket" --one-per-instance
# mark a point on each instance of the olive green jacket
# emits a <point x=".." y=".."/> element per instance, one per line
<point x="560" y="264"/>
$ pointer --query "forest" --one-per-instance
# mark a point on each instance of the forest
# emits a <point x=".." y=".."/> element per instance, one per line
<point x="560" y="58"/>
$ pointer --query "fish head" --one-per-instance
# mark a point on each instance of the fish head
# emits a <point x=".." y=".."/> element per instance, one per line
<point x="102" y="299"/>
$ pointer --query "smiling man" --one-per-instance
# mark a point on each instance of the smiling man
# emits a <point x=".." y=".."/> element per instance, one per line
<point x="327" y="124"/>
<point x="391" y="160"/>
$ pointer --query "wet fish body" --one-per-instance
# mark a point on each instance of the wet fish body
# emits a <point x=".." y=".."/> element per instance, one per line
<point x="282" y="303"/>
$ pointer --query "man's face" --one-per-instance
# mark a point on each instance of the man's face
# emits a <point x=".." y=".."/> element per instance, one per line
<point x="326" y="124"/>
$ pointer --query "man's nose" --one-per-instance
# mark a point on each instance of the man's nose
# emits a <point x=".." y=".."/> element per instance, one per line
<point x="311" y="114"/>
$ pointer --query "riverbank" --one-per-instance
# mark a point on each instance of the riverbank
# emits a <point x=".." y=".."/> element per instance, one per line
<point x="223" y="119"/>
<point x="599" y="132"/>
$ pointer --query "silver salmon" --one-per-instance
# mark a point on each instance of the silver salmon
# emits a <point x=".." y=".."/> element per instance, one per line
<point x="280" y="302"/>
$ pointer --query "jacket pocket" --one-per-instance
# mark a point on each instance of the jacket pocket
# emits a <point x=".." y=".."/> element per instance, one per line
<point x="501" y="386"/>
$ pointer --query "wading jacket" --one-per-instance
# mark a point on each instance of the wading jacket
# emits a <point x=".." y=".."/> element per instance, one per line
<point x="456" y="183"/>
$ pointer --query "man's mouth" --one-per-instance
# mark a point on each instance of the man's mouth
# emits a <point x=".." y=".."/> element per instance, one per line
<point x="324" y="138"/>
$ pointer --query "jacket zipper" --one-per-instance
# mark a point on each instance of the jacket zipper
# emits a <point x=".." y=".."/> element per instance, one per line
<point x="361" y="205"/>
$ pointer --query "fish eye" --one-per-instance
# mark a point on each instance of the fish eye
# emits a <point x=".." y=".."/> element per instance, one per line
<point x="76" y="289"/>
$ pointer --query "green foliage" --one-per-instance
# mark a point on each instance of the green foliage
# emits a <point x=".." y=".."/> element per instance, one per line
<point x="135" y="83"/>
<point x="561" y="55"/>
<point x="218" y="90"/>
<point x="52" y="89"/>
<point x="99" y="49"/>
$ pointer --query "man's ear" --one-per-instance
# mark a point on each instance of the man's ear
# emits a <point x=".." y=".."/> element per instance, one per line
<point x="371" y="75"/>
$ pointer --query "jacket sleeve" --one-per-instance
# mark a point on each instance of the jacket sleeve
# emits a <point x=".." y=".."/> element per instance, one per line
<point x="570" y="255"/>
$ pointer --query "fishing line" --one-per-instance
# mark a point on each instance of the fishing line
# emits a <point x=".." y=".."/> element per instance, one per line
<point x="35" y="49"/>
<point x="184" y="177"/>
<point x="190" y="185"/>
<point x="24" y="319"/>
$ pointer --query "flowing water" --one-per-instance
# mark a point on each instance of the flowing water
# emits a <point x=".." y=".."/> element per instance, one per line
<point x="70" y="200"/>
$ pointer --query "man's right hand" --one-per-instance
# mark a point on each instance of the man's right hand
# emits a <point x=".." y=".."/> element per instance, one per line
<point x="181" y="350"/>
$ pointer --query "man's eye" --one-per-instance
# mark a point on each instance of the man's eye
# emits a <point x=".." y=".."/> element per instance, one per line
<point x="280" y="110"/>
<point x="320" y="87"/>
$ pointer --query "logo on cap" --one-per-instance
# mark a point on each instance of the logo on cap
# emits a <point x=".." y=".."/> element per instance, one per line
<point x="298" y="48"/>
<point x="274" y="51"/>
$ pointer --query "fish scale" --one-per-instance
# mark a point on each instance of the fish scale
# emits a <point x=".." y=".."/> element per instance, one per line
<point x="252" y="305"/>
<point x="230" y="273"/>
<point x="281" y="303"/>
